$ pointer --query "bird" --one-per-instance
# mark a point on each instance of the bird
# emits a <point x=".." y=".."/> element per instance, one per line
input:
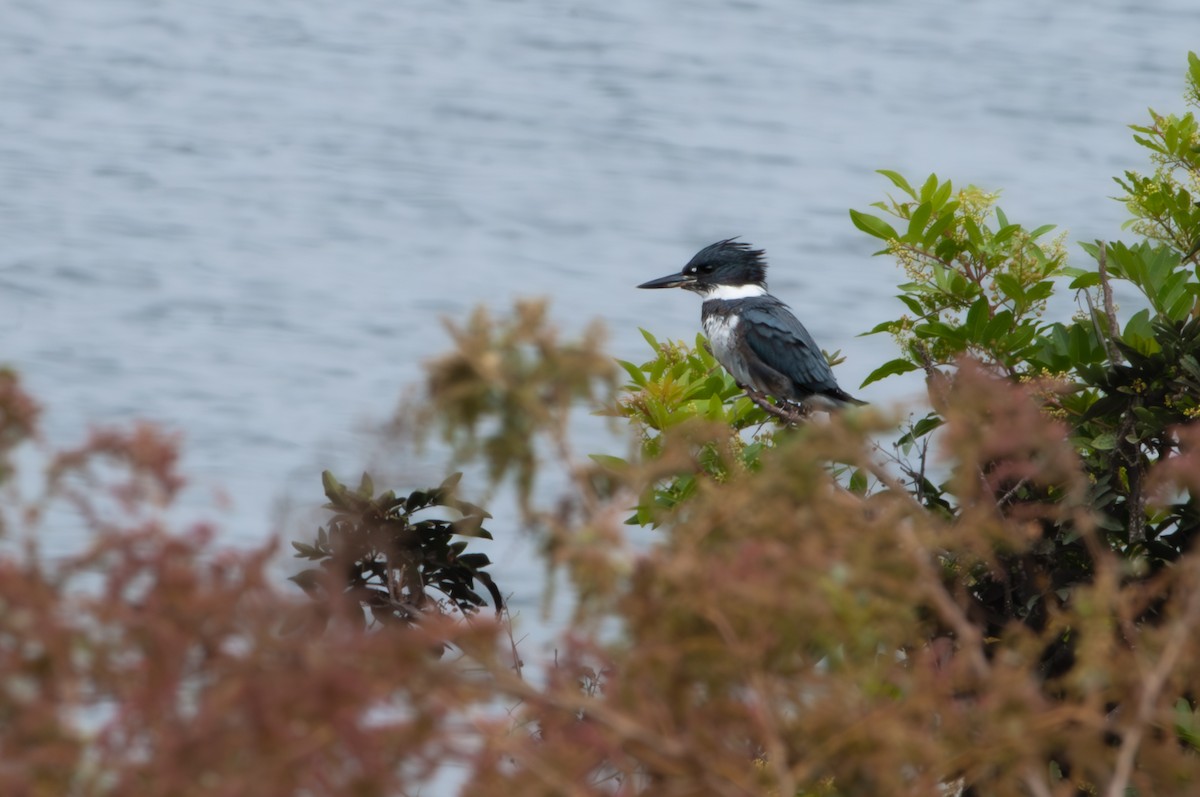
<point x="753" y="335"/>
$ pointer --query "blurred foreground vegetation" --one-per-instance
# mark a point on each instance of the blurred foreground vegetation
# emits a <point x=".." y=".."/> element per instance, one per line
<point x="997" y="595"/>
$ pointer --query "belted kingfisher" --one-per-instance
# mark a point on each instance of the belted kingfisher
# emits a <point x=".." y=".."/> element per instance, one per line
<point x="753" y="334"/>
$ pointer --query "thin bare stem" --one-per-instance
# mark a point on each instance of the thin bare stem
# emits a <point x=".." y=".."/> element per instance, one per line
<point x="1110" y="308"/>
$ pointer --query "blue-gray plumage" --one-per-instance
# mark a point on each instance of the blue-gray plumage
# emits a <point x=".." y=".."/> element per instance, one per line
<point x="752" y="334"/>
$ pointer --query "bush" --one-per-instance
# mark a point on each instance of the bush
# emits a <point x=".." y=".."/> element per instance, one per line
<point x="379" y="554"/>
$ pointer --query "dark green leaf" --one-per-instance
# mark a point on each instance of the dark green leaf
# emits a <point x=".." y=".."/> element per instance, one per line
<point x="474" y="560"/>
<point x="890" y="368"/>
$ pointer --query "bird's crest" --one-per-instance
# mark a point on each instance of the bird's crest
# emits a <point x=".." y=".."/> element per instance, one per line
<point x="729" y="253"/>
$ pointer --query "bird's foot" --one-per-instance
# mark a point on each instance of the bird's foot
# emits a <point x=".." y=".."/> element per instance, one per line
<point x="790" y="413"/>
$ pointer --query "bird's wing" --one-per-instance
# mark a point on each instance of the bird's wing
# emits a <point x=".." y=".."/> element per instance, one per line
<point x="779" y="339"/>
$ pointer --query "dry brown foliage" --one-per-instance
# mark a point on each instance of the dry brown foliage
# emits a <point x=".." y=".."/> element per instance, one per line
<point x="155" y="663"/>
<point x="782" y="636"/>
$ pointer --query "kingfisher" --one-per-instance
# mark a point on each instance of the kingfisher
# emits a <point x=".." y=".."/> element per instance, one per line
<point x="753" y="335"/>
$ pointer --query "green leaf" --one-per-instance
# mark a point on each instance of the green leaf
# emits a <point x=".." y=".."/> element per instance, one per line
<point x="944" y="219"/>
<point x="609" y="462"/>
<point x="417" y="499"/>
<point x="1187" y="725"/>
<point x="1004" y="233"/>
<point x="890" y="368"/>
<point x="716" y="408"/>
<point x="977" y="318"/>
<point x="450" y="482"/>
<point x="1139" y="333"/>
<point x="1086" y="280"/>
<point x="942" y="194"/>
<point x="1181" y="308"/>
<point x="974" y="234"/>
<point x="927" y="190"/>
<point x="1040" y="291"/>
<point x="1019" y="338"/>
<point x="920" y="429"/>
<point x="1009" y="285"/>
<point x="926" y="425"/>
<point x="308" y="580"/>
<point x="873" y="225"/>
<point x="883" y="326"/>
<point x="912" y="304"/>
<point x="997" y="326"/>
<point x="474" y="560"/>
<point x="1150" y="144"/>
<point x="469" y="526"/>
<point x="366" y="487"/>
<point x="331" y="485"/>
<point x="898" y="181"/>
<point x="918" y="221"/>
<point x="636" y="375"/>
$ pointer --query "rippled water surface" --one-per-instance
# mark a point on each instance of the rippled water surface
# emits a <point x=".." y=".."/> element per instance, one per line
<point x="244" y="219"/>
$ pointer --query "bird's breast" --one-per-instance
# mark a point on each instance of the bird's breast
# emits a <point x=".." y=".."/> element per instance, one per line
<point x="723" y="339"/>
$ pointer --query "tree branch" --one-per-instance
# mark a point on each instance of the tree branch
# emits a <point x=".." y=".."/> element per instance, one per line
<point x="791" y="414"/>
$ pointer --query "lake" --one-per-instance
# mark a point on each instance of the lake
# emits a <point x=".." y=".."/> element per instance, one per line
<point x="245" y="220"/>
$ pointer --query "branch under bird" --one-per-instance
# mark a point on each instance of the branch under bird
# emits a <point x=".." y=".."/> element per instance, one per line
<point x="753" y="335"/>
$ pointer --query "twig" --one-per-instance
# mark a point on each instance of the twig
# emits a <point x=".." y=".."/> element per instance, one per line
<point x="1110" y="310"/>
<point x="920" y="476"/>
<point x="922" y="353"/>
<point x="518" y="665"/>
<point x="1133" y="471"/>
<point x="1004" y="499"/>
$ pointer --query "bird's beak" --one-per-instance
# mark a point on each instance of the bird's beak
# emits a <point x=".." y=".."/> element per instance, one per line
<point x="680" y="280"/>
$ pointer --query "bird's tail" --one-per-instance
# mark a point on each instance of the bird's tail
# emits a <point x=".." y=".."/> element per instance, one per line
<point x="834" y="399"/>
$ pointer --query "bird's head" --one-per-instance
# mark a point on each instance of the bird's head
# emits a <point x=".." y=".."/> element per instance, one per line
<point x="725" y="269"/>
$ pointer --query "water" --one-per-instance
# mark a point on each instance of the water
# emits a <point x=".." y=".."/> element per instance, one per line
<point x="244" y="220"/>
